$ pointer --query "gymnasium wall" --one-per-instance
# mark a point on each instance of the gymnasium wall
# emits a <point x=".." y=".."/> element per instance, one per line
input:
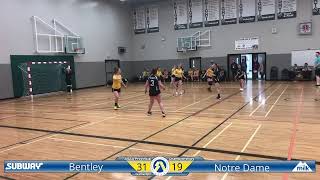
<point x="277" y="46"/>
<point x="104" y="25"/>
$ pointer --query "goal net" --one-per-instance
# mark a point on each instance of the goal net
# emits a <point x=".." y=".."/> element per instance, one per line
<point x="43" y="77"/>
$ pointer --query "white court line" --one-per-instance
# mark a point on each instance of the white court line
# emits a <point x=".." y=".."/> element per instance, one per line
<point x="206" y="145"/>
<point x="215" y="137"/>
<point x="244" y="148"/>
<point x="55" y="134"/>
<point x="265" y="100"/>
<point x="276" y="101"/>
<point x="195" y="103"/>
<point x="144" y="101"/>
<point x="107" y="145"/>
<point x="127" y="98"/>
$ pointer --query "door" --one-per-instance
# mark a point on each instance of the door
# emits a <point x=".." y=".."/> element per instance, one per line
<point x="263" y="64"/>
<point x="246" y="59"/>
<point x="254" y="65"/>
<point x="195" y="63"/>
<point x="110" y="65"/>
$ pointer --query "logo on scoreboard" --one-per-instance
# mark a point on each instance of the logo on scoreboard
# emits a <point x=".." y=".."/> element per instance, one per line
<point x="160" y="166"/>
<point x="302" y="167"/>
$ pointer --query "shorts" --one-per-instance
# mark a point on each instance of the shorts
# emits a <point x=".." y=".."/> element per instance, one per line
<point x="242" y="77"/>
<point x="177" y="79"/>
<point x="117" y="90"/>
<point x="154" y="93"/>
<point x="317" y="71"/>
<point x="210" y="81"/>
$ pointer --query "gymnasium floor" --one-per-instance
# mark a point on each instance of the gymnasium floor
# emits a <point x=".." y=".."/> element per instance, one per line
<point x="268" y="121"/>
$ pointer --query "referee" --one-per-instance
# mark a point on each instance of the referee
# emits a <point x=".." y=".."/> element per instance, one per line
<point x="69" y="78"/>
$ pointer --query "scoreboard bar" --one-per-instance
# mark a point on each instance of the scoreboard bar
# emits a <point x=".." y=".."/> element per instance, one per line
<point x="160" y="166"/>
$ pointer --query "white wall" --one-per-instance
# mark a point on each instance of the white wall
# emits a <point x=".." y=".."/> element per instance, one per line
<point x="104" y="25"/>
<point x="223" y="37"/>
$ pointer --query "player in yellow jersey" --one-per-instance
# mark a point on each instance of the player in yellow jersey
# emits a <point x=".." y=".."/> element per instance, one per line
<point x="116" y="86"/>
<point x="213" y="77"/>
<point x="209" y="74"/>
<point x="173" y="76"/>
<point x="179" y="75"/>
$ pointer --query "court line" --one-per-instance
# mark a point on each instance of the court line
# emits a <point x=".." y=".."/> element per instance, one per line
<point x="195" y="103"/>
<point x="107" y="145"/>
<point x="97" y="104"/>
<point x="32" y="140"/>
<point x="294" y="132"/>
<point x="143" y="101"/>
<point x="244" y="148"/>
<point x="215" y="137"/>
<point x="48" y="118"/>
<point x="264" y="100"/>
<point x="268" y="120"/>
<point x="276" y="101"/>
<point x="54" y="133"/>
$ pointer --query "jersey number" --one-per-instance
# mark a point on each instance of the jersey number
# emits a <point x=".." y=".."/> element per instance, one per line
<point x="152" y="82"/>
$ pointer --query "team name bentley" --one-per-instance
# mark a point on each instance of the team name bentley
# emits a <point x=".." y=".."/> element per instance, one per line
<point x="90" y="167"/>
<point x="243" y="168"/>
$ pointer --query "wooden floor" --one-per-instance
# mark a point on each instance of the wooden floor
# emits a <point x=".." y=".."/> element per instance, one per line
<point x="272" y="120"/>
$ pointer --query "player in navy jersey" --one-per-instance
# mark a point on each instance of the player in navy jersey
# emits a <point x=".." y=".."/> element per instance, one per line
<point x="154" y="85"/>
<point x="241" y="77"/>
<point x="216" y="80"/>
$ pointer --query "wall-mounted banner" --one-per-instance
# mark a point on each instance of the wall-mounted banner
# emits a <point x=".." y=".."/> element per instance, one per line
<point x="211" y="13"/>
<point x="195" y="13"/>
<point x="152" y="19"/>
<point x="139" y="19"/>
<point x="266" y="10"/>
<point x="228" y="12"/>
<point x="287" y="9"/>
<point x="247" y="44"/>
<point x="180" y="14"/>
<point x="247" y="11"/>
<point x="316" y="7"/>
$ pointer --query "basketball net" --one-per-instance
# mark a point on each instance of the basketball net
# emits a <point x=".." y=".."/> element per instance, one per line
<point x="79" y="50"/>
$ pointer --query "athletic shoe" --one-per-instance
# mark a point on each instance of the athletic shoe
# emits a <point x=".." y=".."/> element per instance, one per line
<point x="115" y="107"/>
<point x="209" y="89"/>
<point x="163" y="114"/>
<point x="177" y="93"/>
<point x="181" y="93"/>
<point x="218" y="97"/>
<point x="241" y="89"/>
<point x="149" y="113"/>
<point x="118" y="106"/>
